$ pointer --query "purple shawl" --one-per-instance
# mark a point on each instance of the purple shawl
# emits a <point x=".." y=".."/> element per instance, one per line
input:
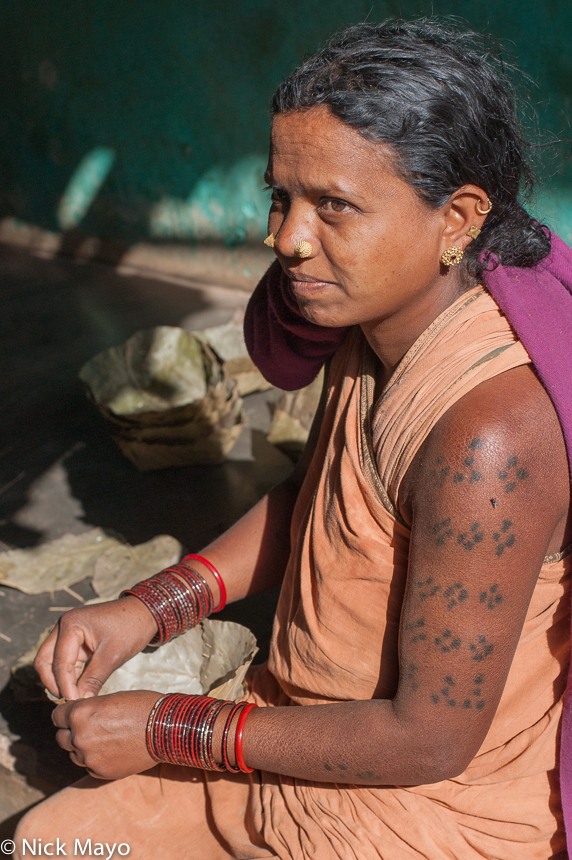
<point x="290" y="351"/>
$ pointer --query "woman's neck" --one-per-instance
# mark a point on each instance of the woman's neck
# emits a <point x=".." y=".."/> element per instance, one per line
<point x="392" y="337"/>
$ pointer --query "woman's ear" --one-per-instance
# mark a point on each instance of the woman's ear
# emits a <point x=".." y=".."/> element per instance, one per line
<point x="461" y="215"/>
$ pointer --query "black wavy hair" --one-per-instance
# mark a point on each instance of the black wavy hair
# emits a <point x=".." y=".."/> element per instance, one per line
<point x="436" y="96"/>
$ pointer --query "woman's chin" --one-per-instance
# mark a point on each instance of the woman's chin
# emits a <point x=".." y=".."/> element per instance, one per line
<point x="319" y="315"/>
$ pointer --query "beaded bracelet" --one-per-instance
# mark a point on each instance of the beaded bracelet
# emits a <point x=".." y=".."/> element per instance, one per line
<point x="180" y="731"/>
<point x="177" y="598"/>
<point x="210" y="566"/>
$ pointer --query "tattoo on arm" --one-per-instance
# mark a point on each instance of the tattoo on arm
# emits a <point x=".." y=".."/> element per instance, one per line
<point x="454" y="695"/>
<point x="512" y="475"/>
<point x="447" y="642"/>
<point x="443" y="531"/>
<point x="427" y="588"/>
<point x="455" y="594"/>
<point x="488" y="533"/>
<point x="416" y="628"/>
<point x="342" y="771"/>
<point x="480" y="649"/>
<point x="492" y="597"/>
<point x="469" y="539"/>
<point x="472" y="473"/>
<point x="412" y="676"/>
<point x="508" y="541"/>
<point x="441" y="471"/>
<point x="502" y="538"/>
<point x="340" y="767"/>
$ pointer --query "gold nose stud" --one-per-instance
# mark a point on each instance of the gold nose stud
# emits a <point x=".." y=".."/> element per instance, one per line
<point x="303" y="249"/>
<point x="270" y="240"/>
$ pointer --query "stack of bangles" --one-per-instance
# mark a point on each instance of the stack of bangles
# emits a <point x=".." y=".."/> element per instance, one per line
<point x="178" y="597"/>
<point x="180" y="727"/>
<point x="180" y="731"/>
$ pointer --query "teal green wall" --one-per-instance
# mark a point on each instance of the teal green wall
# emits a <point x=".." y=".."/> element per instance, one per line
<point x="134" y="119"/>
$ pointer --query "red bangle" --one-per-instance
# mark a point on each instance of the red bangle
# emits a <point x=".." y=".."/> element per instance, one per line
<point x="225" y="734"/>
<point x="216" y="575"/>
<point x="238" y="739"/>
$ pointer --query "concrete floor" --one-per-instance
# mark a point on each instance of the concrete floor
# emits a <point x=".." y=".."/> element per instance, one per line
<point x="60" y="471"/>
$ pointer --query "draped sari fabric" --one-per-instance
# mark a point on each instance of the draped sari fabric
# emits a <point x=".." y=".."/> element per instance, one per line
<point x="336" y="639"/>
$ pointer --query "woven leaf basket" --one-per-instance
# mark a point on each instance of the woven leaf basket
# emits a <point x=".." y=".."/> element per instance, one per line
<point x="166" y="399"/>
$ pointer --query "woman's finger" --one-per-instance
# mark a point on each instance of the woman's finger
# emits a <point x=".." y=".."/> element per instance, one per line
<point x="44" y="660"/>
<point x="77" y="758"/>
<point x="70" y="654"/>
<point x="64" y="740"/>
<point x="60" y="716"/>
<point x="97" y="671"/>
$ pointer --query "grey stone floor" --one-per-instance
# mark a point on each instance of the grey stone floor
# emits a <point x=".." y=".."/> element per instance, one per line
<point x="60" y="471"/>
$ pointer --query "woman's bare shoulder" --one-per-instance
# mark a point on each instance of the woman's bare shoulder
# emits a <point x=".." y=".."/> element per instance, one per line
<point x="503" y="436"/>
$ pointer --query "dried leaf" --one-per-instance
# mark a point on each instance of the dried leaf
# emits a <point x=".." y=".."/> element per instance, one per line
<point x="227" y="341"/>
<point x="120" y="567"/>
<point x="154" y="370"/>
<point x="293" y="416"/>
<point x="181" y="666"/>
<point x="114" y="566"/>
<point x="54" y="565"/>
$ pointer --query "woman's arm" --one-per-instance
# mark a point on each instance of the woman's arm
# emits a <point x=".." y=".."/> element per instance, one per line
<point x="251" y="556"/>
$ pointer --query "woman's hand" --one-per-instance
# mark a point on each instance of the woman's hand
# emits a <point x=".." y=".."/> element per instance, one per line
<point x="106" y="635"/>
<point x="106" y="734"/>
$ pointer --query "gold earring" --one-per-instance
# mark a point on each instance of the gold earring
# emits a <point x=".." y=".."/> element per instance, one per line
<point x="473" y="232"/>
<point x="270" y="240"/>
<point x="452" y="256"/>
<point x="483" y="211"/>
<point x="303" y="249"/>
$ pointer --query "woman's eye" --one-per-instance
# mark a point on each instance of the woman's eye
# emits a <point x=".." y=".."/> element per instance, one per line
<point x="276" y="196"/>
<point x="334" y="206"/>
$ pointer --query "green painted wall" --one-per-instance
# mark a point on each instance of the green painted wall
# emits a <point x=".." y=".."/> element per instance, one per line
<point x="134" y="119"/>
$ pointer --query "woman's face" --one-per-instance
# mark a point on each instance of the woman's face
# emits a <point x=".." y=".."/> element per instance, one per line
<point x="375" y="244"/>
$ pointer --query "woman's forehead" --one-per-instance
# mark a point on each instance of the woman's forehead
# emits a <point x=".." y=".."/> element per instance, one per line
<point x="315" y="146"/>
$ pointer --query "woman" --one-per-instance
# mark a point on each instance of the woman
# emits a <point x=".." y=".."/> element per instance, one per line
<point x="422" y="627"/>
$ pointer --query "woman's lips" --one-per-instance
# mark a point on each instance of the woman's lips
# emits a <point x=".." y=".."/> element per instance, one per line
<point x="308" y="286"/>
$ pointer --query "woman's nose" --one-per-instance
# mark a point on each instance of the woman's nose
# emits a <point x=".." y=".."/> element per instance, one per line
<point x="295" y="237"/>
